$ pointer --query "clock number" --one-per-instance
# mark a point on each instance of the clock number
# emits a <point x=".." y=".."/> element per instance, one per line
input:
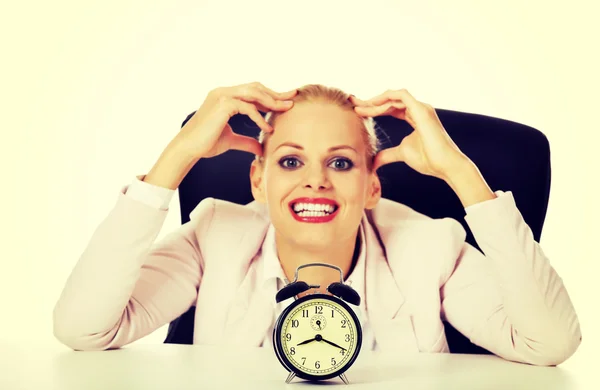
<point x="303" y="360"/>
<point x="305" y="313"/>
<point x="318" y="309"/>
<point x="292" y="351"/>
<point x="343" y="323"/>
<point x="317" y="365"/>
<point x="343" y="352"/>
<point x="295" y="323"/>
<point x="332" y="311"/>
<point x="333" y="362"/>
<point x="288" y="336"/>
<point x="347" y="338"/>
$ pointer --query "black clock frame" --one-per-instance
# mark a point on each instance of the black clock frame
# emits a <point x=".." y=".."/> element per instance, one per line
<point x="279" y="347"/>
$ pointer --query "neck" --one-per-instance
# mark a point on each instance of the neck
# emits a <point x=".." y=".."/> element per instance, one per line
<point x="343" y="254"/>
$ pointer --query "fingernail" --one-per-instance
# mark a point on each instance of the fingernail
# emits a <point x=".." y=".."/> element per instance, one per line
<point x="288" y="102"/>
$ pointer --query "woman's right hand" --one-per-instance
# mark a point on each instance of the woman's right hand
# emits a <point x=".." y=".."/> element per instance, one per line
<point x="208" y="134"/>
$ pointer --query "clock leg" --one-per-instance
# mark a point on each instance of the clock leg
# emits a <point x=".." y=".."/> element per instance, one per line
<point x="344" y="379"/>
<point x="290" y="377"/>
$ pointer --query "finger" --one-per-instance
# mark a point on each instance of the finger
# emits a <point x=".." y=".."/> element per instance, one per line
<point x="283" y="95"/>
<point x="264" y="101"/>
<point x="382" y="109"/>
<point x="372" y="110"/>
<point x="358" y="102"/>
<point x="387" y="156"/>
<point x="246" y="144"/>
<point x="379" y="99"/>
<point x="402" y="94"/>
<point x="252" y="112"/>
<point x="289" y="94"/>
<point x="277" y="95"/>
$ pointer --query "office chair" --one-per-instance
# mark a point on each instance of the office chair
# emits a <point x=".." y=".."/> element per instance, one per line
<point x="510" y="156"/>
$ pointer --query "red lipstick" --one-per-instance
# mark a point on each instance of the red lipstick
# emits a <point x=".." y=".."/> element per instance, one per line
<point x="314" y="219"/>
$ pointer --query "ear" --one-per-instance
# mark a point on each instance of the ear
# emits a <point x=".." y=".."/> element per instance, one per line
<point x="256" y="181"/>
<point x="374" y="194"/>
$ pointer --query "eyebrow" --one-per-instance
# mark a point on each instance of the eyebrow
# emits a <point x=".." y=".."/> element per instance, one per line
<point x="331" y="149"/>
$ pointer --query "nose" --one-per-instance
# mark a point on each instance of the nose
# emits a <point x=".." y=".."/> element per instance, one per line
<point x="316" y="177"/>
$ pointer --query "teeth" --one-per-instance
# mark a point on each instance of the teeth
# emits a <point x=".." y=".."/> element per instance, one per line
<point x="313" y="208"/>
<point x="313" y="213"/>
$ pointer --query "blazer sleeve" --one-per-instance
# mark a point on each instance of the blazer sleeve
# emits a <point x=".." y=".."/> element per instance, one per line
<point x="124" y="285"/>
<point x="509" y="300"/>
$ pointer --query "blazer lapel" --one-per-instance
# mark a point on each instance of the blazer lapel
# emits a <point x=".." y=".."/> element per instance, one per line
<point x="404" y="281"/>
<point x="383" y="295"/>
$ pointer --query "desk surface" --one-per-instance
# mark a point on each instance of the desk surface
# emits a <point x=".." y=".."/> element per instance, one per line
<point x="197" y="367"/>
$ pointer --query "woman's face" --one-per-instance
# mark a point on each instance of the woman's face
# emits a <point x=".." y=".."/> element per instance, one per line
<point x="316" y="159"/>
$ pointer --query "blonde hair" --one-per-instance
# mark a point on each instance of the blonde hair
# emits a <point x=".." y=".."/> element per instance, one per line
<point x="325" y="94"/>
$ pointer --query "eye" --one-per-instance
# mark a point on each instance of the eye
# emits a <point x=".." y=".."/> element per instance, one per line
<point x="342" y="164"/>
<point x="287" y="166"/>
<point x="339" y="164"/>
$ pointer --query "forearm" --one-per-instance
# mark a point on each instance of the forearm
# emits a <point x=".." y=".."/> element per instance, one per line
<point x="171" y="167"/>
<point x="468" y="184"/>
<point x="102" y="281"/>
<point x="537" y="322"/>
<point x="537" y="314"/>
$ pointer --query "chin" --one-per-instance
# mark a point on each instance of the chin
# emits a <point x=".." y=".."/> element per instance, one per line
<point x="313" y="239"/>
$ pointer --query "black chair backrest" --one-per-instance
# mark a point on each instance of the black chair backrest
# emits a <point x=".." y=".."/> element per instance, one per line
<point x="510" y="156"/>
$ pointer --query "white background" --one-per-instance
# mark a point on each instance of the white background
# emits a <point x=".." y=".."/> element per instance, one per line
<point x="92" y="91"/>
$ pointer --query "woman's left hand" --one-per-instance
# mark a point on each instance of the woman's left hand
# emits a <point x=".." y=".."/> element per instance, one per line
<point x="429" y="149"/>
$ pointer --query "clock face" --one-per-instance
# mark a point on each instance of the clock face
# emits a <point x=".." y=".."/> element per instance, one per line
<point x="318" y="337"/>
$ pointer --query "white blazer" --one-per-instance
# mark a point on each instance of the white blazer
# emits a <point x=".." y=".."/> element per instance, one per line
<point x="419" y="271"/>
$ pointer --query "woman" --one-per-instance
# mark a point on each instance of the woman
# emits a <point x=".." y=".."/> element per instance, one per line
<point x="318" y="199"/>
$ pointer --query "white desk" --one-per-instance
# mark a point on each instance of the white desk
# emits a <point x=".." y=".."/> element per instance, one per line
<point x="200" y="367"/>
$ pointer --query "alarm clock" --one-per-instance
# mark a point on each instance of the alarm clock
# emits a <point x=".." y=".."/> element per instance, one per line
<point x="318" y="336"/>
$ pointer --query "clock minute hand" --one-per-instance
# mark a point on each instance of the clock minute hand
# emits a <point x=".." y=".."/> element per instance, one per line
<point x="334" y="344"/>
<point x="306" y="341"/>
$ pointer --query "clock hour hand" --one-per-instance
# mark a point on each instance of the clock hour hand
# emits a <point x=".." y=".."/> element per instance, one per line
<point x="334" y="344"/>
<point x="306" y="341"/>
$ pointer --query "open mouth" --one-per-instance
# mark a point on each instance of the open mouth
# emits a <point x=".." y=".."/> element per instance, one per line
<point x="313" y="212"/>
